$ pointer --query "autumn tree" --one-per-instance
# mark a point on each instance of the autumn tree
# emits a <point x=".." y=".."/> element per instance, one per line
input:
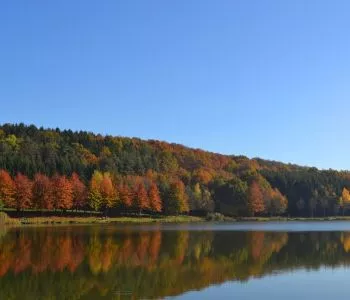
<point x="42" y="192"/>
<point x="197" y="195"/>
<point x="23" y="195"/>
<point x="63" y="192"/>
<point x="344" y="199"/>
<point x="177" y="200"/>
<point x="194" y="196"/>
<point x="125" y="195"/>
<point x="255" y="199"/>
<point x="275" y="202"/>
<point x="206" y="203"/>
<point x="168" y="162"/>
<point x="7" y="189"/>
<point x="108" y="191"/>
<point x="154" y="198"/>
<point x="141" y="198"/>
<point x="202" y="175"/>
<point x="79" y="192"/>
<point x="95" y="195"/>
<point x="346" y="196"/>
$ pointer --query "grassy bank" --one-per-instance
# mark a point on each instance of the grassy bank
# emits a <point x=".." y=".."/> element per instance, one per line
<point x="6" y="220"/>
<point x="51" y="220"/>
<point x="98" y="220"/>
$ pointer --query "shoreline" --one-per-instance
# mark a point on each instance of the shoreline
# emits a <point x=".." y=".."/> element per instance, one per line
<point x="99" y="220"/>
<point x="57" y="220"/>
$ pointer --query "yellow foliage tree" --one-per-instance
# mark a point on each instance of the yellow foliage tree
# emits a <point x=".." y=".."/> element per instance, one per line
<point x="344" y="199"/>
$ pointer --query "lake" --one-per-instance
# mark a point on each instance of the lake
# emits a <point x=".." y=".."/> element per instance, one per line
<point x="272" y="260"/>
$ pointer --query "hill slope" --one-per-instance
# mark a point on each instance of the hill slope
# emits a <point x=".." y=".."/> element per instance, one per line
<point x="129" y="174"/>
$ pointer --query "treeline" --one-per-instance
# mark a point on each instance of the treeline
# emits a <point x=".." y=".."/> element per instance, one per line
<point x="125" y="174"/>
<point x="70" y="193"/>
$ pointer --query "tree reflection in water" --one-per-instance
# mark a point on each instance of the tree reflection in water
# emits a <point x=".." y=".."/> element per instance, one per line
<point x="109" y="262"/>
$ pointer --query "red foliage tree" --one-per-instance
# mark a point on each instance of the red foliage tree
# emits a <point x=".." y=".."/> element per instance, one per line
<point x="42" y="192"/>
<point x="79" y="192"/>
<point x="23" y="195"/>
<point x="63" y="193"/>
<point x="154" y="198"/>
<point x="7" y="189"/>
<point x="141" y="198"/>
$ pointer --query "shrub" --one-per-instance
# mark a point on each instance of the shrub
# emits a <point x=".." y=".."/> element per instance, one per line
<point x="215" y="217"/>
<point x="5" y="219"/>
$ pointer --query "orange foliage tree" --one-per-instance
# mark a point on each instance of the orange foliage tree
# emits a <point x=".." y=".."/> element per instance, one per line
<point x="23" y="195"/>
<point x="202" y="175"/>
<point x="7" y="189"/>
<point x="154" y="198"/>
<point x="63" y="193"/>
<point x="275" y="202"/>
<point x="42" y="192"/>
<point x="141" y="198"/>
<point x="255" y="199"/>
<point x="125" y="195"/>
<point x="79" y="192"/>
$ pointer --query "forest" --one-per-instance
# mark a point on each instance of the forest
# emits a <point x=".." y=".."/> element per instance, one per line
<point x="60" y="170"/>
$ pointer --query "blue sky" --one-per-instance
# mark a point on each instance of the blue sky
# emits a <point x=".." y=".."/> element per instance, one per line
<point x="259" y="78"/>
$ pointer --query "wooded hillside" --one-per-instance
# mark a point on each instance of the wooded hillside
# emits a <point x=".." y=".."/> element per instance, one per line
<point x="62" y="169"/>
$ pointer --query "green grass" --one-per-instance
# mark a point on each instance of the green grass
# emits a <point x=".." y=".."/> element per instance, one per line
<point x="6" y="220"/>
<point x="100" y="220"/>
<point x="163" y="219"/>
<point x="87" y="212"/>
<point x="144" y="219"/>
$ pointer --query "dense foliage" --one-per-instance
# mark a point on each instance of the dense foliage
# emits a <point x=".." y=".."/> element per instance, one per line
<point x="55" y="169"/>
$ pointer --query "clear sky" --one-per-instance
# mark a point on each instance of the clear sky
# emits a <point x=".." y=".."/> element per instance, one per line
<point x="259" y="78"/>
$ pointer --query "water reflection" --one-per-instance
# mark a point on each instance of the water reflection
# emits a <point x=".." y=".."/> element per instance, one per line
<point x="109" y="262"/>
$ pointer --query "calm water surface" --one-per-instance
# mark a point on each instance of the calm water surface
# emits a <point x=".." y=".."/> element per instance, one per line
<point x="275" y="260"/>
